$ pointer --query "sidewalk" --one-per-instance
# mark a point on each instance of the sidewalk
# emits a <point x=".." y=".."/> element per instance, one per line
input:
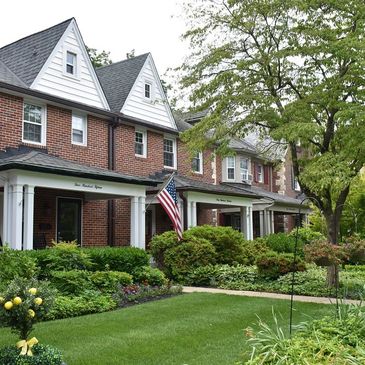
<point x="297" y="298"/>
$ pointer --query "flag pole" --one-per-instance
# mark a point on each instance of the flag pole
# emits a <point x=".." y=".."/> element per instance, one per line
<point x="161" y="188"/>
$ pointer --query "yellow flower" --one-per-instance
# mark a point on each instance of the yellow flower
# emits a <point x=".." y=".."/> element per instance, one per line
<point x="8" y="305"/>
<point x="2" y="300"/>
<point x="38" y="301"/>
<point x="33" y="291"/>
<point x="31" y="313"/>
<point x="17" y="301"/>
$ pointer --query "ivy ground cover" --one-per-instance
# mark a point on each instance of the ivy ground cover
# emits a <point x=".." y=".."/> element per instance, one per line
<point x="190" y="329"/>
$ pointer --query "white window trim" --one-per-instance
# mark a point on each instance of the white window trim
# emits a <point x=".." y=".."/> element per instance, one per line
<point x="200" y="172"/>
<point x="75" y="51"/>
<point x="260" y="177"/>
<point x="152" y="91"/>
<point x="247" y="169"/>
<point x="43" y="124"/>
<point x="174" y="151"/>
<point x="144" y="133"/>
<point x="234" y="168"/>
<point x="84" y="117"/>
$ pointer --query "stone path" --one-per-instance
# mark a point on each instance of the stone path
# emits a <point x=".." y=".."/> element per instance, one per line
<point x="297" y="298"/>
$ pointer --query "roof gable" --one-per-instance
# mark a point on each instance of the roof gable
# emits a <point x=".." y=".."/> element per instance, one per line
<point x="26" y="57"/>
<point x="155" y="110"/>
<point x="118" y="79"/>
<point x="83" y="87"/>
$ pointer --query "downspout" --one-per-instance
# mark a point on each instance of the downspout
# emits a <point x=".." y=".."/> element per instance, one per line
<point x="111" y="166"/>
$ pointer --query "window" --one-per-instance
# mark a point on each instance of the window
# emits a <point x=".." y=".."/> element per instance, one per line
<point x="197" y="163"/>
<point x="79" y="128"/>
<point x="71" y="63"/>
<point x="231" y="166"/>
<point x="244" y="169"/>
<point x="295" y="182"/>
<point x="169" y="152"/>
<point x="140" y="147"/>
<point x="33" y="123"/>
<point x="260" y="173"/>
<point x="147" y="90"/>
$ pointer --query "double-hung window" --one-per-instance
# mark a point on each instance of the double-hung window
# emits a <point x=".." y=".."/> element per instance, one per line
<point x="34" y="123"/>
<point x="197" y="163"/>
<point x="169" y="152"/>
<point x="244" y="169"/>
<point x="260" y="173"/>
<point x="140" y="145"/>
<point x="71" y="63"/>
<point x="231" y="167"/>
<point x="79" y="129"/>
<point x="147" y="90"/>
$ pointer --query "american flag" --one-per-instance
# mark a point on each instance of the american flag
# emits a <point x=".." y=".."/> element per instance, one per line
<point x="167" y="198"/>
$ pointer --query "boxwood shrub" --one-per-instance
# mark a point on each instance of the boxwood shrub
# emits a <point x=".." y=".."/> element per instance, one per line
<point x="149" y="276"/>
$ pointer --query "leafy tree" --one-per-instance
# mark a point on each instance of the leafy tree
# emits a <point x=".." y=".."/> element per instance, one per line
<point x="99" y="59"/>
<point x="294" y="71"/>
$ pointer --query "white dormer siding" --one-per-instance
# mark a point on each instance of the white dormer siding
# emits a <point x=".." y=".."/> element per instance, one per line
<point x="147" y="100"/>
<point x="82" y="84"/>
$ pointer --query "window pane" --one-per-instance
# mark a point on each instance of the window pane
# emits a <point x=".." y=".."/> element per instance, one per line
<point x="196" y="162"/>
<point x="32" y="132"/>
<point x="138" y="149"/>
<point x="230" y="161"/>
<point x="70" y="63"/>
<point x="230" y="173"/>
<point x="168" y="159"/>
<point x="33" y="113"/>
<point x="147" y="90"/>
<point x="244" y="163"/>
<point x="77" y="136"/>
<point x="71" y="58"/>
<point x="168" y="145"/>
<point x="139" y="137"/>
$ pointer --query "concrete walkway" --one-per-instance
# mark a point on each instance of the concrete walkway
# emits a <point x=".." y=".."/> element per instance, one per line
<point x="297" y="298"/>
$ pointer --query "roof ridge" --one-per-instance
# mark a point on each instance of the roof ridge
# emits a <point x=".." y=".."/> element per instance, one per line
<point x="122" y="61"/>
<point x="41" y="31"/>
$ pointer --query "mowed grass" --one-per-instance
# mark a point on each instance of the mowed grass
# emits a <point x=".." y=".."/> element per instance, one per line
<point x="190" y="329"/>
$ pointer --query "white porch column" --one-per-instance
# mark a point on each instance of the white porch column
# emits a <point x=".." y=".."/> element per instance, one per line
<point x="244" y="222"/>
<point x="17" y="217"/>
<point x="9" y="210"/>
<point x="272" y="221"/>
<point x="262" y="223"/>
<point x="142" y="222"/>
<point x="193" y="214"/>
<point x="267" y="222"/>
<point x="250" y="223"/>
<point x="134" y="221"/>
<point x="4" y="233"/>
<point x="28" y="217"/>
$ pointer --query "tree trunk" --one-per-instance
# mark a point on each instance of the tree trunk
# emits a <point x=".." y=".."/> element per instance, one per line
<point x="333" y="228"/>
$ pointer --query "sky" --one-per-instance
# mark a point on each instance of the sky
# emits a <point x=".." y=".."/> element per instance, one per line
<point x="117" y="26"/>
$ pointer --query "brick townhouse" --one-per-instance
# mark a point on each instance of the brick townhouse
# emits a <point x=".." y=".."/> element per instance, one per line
<point x="83" y="152"/>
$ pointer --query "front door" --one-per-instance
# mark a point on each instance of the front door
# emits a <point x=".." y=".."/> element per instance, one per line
<point x="69" y="220"/>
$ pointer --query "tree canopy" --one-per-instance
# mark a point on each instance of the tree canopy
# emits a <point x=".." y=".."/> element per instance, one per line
<point x="293" y="70"/>
<point x="99" y="59"/>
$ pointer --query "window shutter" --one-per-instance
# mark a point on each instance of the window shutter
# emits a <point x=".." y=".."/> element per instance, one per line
<point x="266" y="174"/>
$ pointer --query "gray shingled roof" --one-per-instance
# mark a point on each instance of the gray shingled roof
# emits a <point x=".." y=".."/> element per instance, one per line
<point x="9" y="77"/>
<point x="118" y="79"/>
<point x="277" y="198"/>
<point x="185" y="183"/>
<point x="242" y="145"/>
<point x="35" y="160"/>
<point x="26" y="56"/>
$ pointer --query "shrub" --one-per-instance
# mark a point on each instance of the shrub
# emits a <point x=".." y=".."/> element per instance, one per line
<point x="355" y="250"/>
<point x="160" y="244"/>
<point x="182" y="259"/>
<point x="272" y="264"/>
<point x="253" y="249"/>
<point x="149" y="276"/>
<point x="13" y="264"/>
<point x="66" y="256"/>
<point x="307" y="235"/>
<point x="324" y="253"/>
<point x="134" y="294"/>
<point x="24" y="303"/>
<point x="89" y="302"/>
<point x="228" y="242"/>
<point x="108" y="281"/>
<point x="125" y="259"/>
<point x="282" y="243"/>
<point x="202" y="276"/>
<point x="43" y="355"/>
<point x="75" y="282"/>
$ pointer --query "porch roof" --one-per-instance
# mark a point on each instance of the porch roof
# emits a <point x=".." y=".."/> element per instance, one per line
<point x="36" y="160"/>
<point x="183" y="183"/>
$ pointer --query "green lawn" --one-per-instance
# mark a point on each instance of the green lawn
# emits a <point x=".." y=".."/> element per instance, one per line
<point x="191" y="329"/>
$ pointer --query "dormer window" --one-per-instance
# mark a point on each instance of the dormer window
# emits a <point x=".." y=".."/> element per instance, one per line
<point x="147" y="90"/>
<point x="71" y="59"/>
